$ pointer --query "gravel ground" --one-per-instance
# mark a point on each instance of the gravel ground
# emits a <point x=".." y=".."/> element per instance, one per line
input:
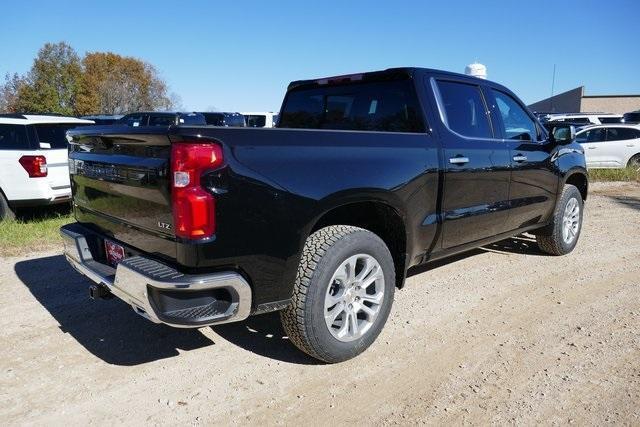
<point x="501" y="334"/>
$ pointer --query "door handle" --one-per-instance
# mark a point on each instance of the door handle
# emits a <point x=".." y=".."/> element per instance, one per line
<point x="459" y="160"/>
<point x="630" y="145"/>
<point x="519" y="158"/>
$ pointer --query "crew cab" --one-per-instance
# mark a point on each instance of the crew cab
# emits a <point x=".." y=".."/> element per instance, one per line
<point x="365" y="176"/>
<point x="33" y="161"/>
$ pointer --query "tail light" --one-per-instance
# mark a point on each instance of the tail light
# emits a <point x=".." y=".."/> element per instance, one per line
<point x="193" y="207"/>
<point x="36" y="166"/>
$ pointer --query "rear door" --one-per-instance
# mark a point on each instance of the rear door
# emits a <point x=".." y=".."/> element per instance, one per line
<point x="477" y="165"/>
<point x="620" y="145"/>
<point x="534" y="181"/>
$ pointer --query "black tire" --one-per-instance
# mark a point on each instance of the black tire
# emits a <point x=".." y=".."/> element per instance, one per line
<point x="5" y="209"/>
<point x="551" y="240"/>
<point x="324" y="252"/>
<point x="634" y="163"/>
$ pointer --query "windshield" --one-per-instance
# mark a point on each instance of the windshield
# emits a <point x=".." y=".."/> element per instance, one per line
<point x="53" y="135"/>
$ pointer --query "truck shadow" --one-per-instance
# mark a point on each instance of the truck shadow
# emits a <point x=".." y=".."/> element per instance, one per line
<point x="627" y="201"/>
<point x="108" y="329"/>
<point x="111" y="330"/>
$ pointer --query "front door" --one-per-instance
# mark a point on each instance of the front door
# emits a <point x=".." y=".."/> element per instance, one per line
<point x="534" y="180"/>
<point x="592" y="141"/>
<point x="477" y="165"/>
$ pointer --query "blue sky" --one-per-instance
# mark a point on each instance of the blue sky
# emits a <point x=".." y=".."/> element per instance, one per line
<point x="240" y="56"/>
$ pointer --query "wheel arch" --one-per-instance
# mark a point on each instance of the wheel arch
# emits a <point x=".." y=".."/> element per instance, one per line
<point x="580" y="179"/>
<point x="378" y="216"/>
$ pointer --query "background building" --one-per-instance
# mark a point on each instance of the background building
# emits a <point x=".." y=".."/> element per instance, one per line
<point x="575" y="101"/>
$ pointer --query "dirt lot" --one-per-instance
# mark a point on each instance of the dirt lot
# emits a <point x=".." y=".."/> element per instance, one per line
<point x="503" y="334"/>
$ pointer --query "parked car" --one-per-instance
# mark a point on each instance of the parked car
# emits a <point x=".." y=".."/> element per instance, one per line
<point x="104" y="119"/>
<point x="224" y="119"/>
<point x="365" y="176"/>
<point x="632" y="117"/>
<point x="611" y="146"/>
<point x="162" y="119"/>
<point x="34" y="168"/>
<point x="583" y="118"/>
<point x="261" y="120"/>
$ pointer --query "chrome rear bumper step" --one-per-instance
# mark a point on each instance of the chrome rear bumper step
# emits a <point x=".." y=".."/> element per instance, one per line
<point x="159" y="292"/>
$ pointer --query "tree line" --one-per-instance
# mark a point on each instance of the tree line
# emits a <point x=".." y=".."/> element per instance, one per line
<point x="60" y="81"/>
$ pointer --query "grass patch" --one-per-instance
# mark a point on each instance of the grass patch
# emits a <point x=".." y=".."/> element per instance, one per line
<point x="33" y="231"/>
<point x="627" y="175"/>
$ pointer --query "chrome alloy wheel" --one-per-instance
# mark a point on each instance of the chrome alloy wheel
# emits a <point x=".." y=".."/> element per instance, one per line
<point x="354" y="297"/>
<point x="571" y="221"/>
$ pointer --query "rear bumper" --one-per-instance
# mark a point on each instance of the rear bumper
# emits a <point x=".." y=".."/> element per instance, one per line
<point x="159" y="292"/>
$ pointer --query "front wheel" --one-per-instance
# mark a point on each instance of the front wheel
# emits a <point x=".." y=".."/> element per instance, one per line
<point x="343" y="293"/>
<point x="562" y="235"/>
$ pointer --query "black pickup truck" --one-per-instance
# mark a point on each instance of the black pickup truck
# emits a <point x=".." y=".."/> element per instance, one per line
<point x="366" y="176"/>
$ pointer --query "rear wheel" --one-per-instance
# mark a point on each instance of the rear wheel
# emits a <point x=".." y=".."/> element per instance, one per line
<point x="342" y="295"/>
<point x="5" y="210"/>
<point x="562" y="235"/>
<point x="634" y="163"/>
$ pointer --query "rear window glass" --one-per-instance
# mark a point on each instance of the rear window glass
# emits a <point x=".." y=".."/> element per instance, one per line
<point x="53" y="135"/>
<point x="464" y="109"/>
<point x="162" y="120"/>
<point x="133" y="120"/>
<point x="376" y="106"/>
<point x="610" y="119"/>
<point x="256" y="120"/>
<point x="234" y="120"/>
<point x="192" y="119"/>
<point x="13" y="137"/>
<point x="214" y="119"/>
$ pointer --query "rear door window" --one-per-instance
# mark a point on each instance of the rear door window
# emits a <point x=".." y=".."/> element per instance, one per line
<point x="14" y="137"/>
<point x="53" y="135"/>
<point x="621" y="134"/>
<point x="390" y="106"/>
<point x="464" y="109"/>
<point x="517" y="124"/>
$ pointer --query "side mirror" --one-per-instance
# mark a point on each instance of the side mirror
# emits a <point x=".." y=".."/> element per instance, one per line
<point x="563" y="134"/>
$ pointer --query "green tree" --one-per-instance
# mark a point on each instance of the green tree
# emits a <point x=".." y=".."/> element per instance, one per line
<point x="114" y="84"/>
<point x="52" y="83"/>
<point x="9" y="93"/>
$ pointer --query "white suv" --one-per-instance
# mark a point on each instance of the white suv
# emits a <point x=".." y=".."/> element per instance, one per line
<point x="611" y="146"/>
<point x="34" y="168"/>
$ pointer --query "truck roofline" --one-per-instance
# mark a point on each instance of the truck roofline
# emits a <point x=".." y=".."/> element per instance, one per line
<point x="381" y="75"/>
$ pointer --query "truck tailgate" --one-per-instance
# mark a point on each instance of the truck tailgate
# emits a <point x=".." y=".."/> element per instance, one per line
<point x="120" y="185"/>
